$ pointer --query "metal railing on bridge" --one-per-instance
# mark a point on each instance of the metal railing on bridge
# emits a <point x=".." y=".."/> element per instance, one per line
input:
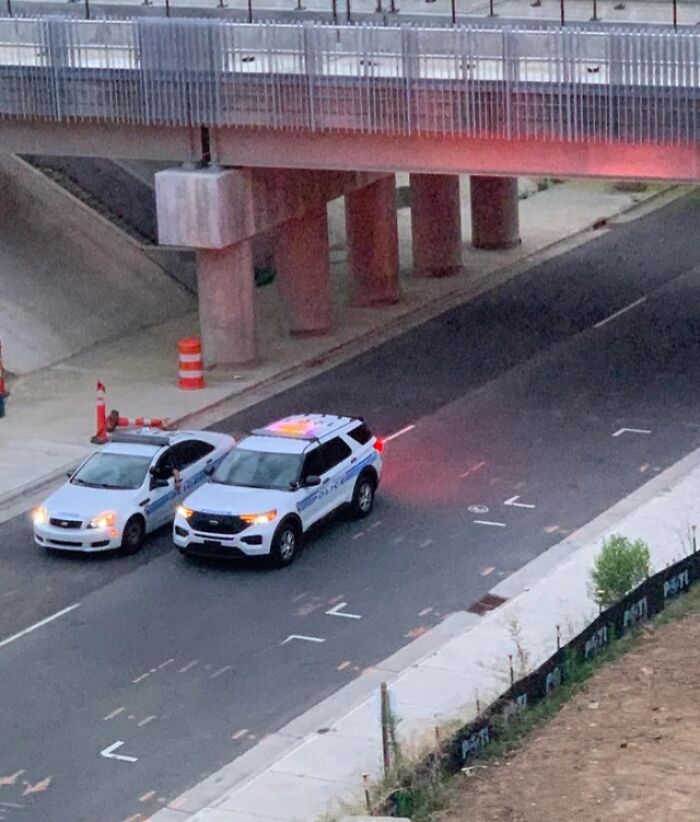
<point x="515" y="83"/>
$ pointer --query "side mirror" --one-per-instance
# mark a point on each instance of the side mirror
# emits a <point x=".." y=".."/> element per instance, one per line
<point x="311" y="481"/>
<point x="209" y="470"/>
<point x="69" y="474"/>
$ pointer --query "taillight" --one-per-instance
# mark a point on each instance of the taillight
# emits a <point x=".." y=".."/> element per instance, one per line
<point x="379" y="445"/>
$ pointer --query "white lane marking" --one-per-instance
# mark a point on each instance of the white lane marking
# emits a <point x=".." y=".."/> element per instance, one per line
<point x="624" y="310"/>
<point x="140" y="678"/>
<point x="186" y="668"/>
<point x="487" y="522"/>
<point x="622" y="431"/>
<point x="473" y="469"/>
<point x="108" y="753"/>
<point x="221" y="671"/>
<point x="239" y="734"/>
<point x="399" y="433"/>
<point x="478" y="509"/>
<point x="147" y="720"/>
<point x="486" y="571"/>
<point x="114" y="713"/>
<point x="301" y="636"/>
<point x="336" y="609"/>
<point x="426" y="543"/>
<point x="514" y="502"/>
<point x="39" y="624"/>
<point x="165" y="664"/>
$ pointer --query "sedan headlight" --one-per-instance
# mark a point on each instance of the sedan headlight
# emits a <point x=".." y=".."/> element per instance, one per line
<point x="184" y="511"/>
<point x="259" y="519"/>
<point x="105" y="520"/>
<point x="40" y="515"/>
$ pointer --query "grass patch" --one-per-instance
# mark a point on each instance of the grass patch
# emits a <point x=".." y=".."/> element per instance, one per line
<point x="421" y="794"/>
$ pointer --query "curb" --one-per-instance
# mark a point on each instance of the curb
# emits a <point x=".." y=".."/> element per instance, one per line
<point x="423" y="313"/>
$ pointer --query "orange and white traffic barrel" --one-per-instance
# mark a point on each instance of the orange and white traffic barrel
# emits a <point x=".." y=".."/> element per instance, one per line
<point x="190" y="365"/>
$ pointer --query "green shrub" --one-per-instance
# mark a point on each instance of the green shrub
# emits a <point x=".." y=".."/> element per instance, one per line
<point x="620" y="566"/>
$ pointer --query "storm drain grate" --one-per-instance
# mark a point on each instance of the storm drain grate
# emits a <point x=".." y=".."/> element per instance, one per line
<point x="487" y="603"/>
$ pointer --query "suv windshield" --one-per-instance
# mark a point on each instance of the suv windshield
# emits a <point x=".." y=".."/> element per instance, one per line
<point x="121" y="471"/>
<point x="259" y="469"/>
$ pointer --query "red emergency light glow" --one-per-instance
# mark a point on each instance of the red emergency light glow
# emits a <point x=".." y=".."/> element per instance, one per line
<point x="379" y="445"/>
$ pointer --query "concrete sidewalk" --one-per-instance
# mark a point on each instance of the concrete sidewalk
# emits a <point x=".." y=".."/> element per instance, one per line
<point x="51" y="413"/>
<point x="315" y="764"/>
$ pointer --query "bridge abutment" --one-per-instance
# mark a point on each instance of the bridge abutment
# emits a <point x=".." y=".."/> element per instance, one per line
<point x="373" y="243"/>
<point x="302" y="260"/>
<point x="495" y="219"/>
<point x="436" y="228"/>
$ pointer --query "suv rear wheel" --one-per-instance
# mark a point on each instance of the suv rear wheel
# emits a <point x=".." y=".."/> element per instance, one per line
<point x="363" y="496"/>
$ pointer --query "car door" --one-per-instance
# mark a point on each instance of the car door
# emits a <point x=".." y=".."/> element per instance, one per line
<point x="310" y="504"/>
<point x="336" y="456"/>
<point x="162" y="498"/>
<point x="190" y="458"/>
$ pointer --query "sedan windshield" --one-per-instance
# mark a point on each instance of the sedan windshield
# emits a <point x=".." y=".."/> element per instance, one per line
<point x="259" y="469"/>
<point x="120" y="471"/>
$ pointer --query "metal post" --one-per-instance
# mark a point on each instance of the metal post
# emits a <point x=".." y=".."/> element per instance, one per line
<point x="492" y="13"/>
<point x="454" y="12"/>
<point x="384" y="695"/>
<point x="167" y="8"/>
<point x="335" y="12"/>
<point x="695" y="545"/>
<point x="561" y="12"/>
<point x="675" y="15"/>
<point x="392" y="7"/>
<point x="595" y="11"/>
<point x="379" y="9"/>
<point x="558" y="638"/>
<point x="512" y="672"/>
<point x="9" y="8"/>
<point x="87" y="9"/>
<point x="250" y="11"/>
<point x="478" y="705"/>
<point x="368" y="801"/>
<point x="348" y="14"/>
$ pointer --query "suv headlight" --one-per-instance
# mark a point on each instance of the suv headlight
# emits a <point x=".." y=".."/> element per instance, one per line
<point x="184" y="511"/>
<point x="40" y="515"/>
<point x="259" y="519"/>
<point x="104" y="520"/>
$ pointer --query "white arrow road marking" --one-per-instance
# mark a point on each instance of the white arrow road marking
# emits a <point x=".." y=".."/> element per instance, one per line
<point x="631" y="431"/>
<point x="301" y="636"/>
<point x="487" y="522"/>
<point x="336" y="609"/>
<point x="108" y="753"/>
<point x="514" y="501"/>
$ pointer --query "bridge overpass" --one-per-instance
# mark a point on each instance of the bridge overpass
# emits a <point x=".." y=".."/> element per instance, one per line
<point x="336" y="104"/>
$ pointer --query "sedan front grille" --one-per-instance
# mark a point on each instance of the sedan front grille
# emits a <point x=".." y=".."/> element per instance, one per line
<point x="216" y="523"/>
<point x="65" y="523"/>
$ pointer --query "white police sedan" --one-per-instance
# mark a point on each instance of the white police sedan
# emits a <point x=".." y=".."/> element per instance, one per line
<point x="127" y="489"/>
<point x="278" y="482"/>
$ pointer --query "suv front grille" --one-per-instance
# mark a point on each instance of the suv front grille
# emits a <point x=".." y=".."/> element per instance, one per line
<point x="65" y="523"/>
<point x="216" y="523"/>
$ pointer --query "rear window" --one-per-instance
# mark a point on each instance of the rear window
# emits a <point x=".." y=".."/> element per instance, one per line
<point x="361" y="434"/>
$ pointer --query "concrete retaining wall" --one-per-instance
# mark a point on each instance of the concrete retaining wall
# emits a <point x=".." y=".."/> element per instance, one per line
<point x="68" y="277"/>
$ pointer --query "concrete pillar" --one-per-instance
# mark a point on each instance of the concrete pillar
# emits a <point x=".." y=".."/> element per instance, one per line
<point x="495" y="222"/>
<point x="373" y="243"/>
<point x="302" y="261"/>
<point x="436" y="227"/>
<point x="226" y="286"/>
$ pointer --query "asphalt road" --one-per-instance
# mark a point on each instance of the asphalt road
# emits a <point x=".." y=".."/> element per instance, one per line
<point x="518" y="393"/>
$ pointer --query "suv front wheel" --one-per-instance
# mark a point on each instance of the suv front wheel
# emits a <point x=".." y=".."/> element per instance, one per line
<point x="285" y="544"/>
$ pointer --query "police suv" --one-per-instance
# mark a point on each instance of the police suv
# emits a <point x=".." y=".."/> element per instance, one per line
<point x="276" y="483"/>
<point x="127" y="489"/>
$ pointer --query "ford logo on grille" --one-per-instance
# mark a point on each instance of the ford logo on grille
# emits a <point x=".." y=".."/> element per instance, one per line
<point x="213" y="522"/>
<point x="64" y="523"/>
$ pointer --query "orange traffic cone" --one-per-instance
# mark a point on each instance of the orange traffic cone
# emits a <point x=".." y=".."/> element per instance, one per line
<point x="101" y="437"/>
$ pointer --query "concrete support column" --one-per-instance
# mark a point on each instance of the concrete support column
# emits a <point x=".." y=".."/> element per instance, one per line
<point x="495" y="221"/>
<point x="302" y="261"/>
<point x="226" y="286"/>
<point x="436" y="228"/>
<point x="373" y="243"/>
